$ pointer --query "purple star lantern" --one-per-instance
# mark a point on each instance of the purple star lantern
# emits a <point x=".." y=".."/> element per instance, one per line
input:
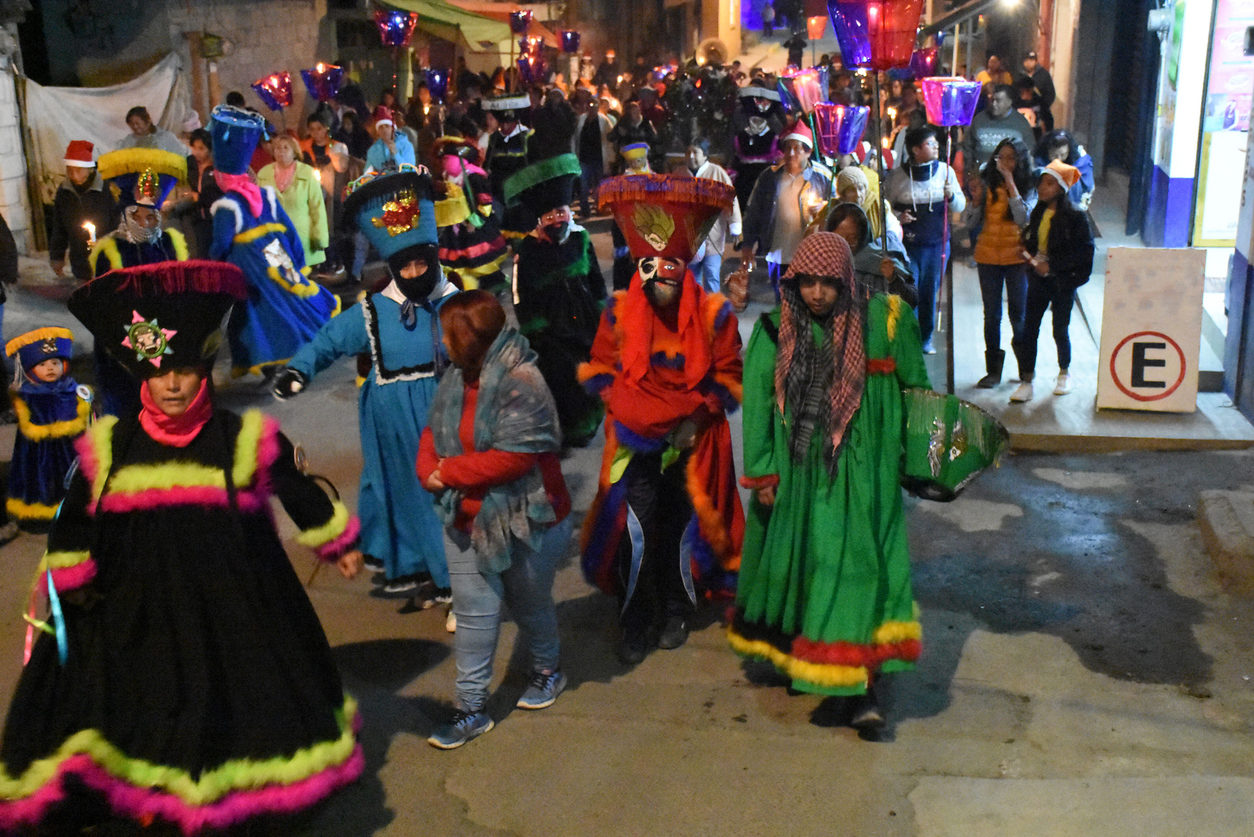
<point x="323" y="81"/>
<point x="840" y="127"/>
<point x="519" y="21"/>
<point x="275" y="90"/>
<point x="570" y="41"/>
<point x="396" y="29"/>
<point x="437" y="83"/>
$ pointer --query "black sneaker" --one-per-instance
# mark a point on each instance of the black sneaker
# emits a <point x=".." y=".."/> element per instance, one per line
<point x="401" y="587"/>
<point x="370" y="562"/>
<point x="674" y="633"/>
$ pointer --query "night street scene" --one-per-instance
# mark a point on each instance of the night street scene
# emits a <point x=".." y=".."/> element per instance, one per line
<point x="624" y="417"/>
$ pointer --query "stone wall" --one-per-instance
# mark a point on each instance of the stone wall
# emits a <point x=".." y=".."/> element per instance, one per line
<point x="14" y="200"/>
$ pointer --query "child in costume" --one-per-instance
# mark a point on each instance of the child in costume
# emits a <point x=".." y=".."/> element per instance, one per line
<point x="635" y="161"/>
<point x="473" y="252"/>
<point x="187" y="680"/>
<point x="52" y="411"/>
<point x="400" y="331"/>
<point x="666" y="524"/>
<point x="284" y="309"/>
<point x="490" y="455"/>
<point x="825" y="591"/>
<point x="559" y="290"/>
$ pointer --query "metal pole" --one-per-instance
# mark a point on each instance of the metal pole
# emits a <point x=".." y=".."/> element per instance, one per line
<point x="949" y="277"/>
<point x="879" y="161"/>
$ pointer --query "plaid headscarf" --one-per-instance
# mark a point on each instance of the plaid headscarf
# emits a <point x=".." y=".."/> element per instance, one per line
<point x="822" y="383"/>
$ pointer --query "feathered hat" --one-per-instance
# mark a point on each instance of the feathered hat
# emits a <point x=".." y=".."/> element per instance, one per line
<point x="34" y="347"/>
<point x="545" y="185"/>
<point x="142" y="176"/>
<point x="160" y="316"/>
<point x="664" y="215"/>
<point x="235" y="133"/>
<point x="395" y="211"/>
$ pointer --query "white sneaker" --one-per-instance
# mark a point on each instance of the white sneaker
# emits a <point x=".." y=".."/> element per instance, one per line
<point x="450" y="620"/>
<point x="1064" y="384"/>
<point x="1022" y="393"/>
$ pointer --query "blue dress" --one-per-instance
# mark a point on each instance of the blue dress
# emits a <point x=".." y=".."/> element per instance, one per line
<point x="284" y="309"/>
<point x="50" y="416"/>
<point x="399" y="524"/>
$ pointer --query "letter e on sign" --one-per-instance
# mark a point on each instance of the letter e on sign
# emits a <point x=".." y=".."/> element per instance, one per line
<point x="1148" y="366"/>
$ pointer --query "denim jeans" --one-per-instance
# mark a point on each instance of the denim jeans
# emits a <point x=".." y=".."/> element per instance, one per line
<point x="589" y="179"/>
<point x="1045" y="292"/>
<point x="927" y="264"/>
<point x="1014" y="278"/>
<point x="706" y="268"/>
<point x="526" y="587"/>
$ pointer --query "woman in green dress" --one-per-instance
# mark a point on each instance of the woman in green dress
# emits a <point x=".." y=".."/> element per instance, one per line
<point x="825" y="590"/>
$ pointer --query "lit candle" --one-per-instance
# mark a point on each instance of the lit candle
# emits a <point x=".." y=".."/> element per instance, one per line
<point x="91" y="233"/>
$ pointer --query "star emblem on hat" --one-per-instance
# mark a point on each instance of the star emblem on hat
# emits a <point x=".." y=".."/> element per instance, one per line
<point x="148" y="339"/>
<point x="400" y="215"/>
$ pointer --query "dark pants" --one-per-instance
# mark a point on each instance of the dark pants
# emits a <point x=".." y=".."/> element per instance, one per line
<point x="993" y="278"/>
<point x="658" y="501"/>
<point x="927" y="263"/>
<point x="1045" y="292"/>
<point x="589" y="179"/>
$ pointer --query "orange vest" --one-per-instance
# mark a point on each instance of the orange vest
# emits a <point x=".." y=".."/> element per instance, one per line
<point x="999" y="240"/>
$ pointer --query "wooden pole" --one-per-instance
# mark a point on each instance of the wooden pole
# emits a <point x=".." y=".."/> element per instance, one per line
<point x="198" y="75"/>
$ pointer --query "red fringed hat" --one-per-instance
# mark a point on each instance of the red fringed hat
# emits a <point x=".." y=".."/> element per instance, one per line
<point x="664" y="215"/>
<point x="155" y="317"/>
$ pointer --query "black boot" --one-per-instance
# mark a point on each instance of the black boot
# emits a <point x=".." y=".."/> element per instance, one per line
<point x="993" y="361"/>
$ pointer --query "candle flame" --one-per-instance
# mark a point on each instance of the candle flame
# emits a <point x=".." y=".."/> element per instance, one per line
<point x="91" y="231"/>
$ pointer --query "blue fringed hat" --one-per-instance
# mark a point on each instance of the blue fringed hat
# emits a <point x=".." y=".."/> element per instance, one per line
<point x="395" y="211"/>
<point x="143" y="176"/>
<point x="34" y="347"/>
<point x="235" y="133"/>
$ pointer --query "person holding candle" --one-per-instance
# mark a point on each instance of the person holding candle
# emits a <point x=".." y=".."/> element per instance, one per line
<point x="82" y="210"/>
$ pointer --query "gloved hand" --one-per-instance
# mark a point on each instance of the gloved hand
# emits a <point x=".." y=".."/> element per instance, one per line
<point x="287" y="383"/>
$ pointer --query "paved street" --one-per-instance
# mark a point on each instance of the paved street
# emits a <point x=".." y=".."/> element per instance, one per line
<point x="1082" y="673"/>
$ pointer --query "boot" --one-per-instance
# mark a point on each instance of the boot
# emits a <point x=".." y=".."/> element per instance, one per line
<point x="993" y="361"/>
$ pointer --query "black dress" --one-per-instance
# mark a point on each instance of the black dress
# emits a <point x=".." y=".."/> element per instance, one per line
<point x="198" y="687"/>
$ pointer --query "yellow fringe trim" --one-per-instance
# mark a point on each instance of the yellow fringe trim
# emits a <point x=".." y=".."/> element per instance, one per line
<point x="100" y="439"/>
<point x="56" y="430"/>
<point x="891" y="632"/>
<point x="816" y="673"/>
<point x="180" y="245"/>
<point x="30" y="511"/>
<point x="327" y="532"/>
<point x="107" y="246"/>
<point x="212" y="785"/>
<point x="247" y="446"/>
<point x="894" y="312"/>
<point x="259" y="231"/>
<point x="132" y="160"/>
<point x="37" y="336"/>
<point x="61" y="560"/>
<point x="453" y="209"/>
<point x="163" y="477"/>
<point x="303" y="290"/>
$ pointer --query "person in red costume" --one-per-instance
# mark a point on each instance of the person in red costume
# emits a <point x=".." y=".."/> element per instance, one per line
<point x="666" y="525"/>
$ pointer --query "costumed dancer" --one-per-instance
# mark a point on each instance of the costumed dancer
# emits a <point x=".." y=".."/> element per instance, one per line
<point x="825" y="591"/>
<point x="635" y="161"/>
<point x="756" y="140"/>
<point x="473" y="252"/>
<point x="398" y="329"/>
<point x="559" y="290"/>
<point x="140" y="180"/>
<point x="52" y="411"/>
<point x="666" y="525"/>
<point x="284" y="308"/>
<point x="506" y="155"/>
<point x="184" y="677"/>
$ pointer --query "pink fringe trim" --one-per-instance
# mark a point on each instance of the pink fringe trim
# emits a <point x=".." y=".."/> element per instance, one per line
<point x="141" y="803"/>
<point x="267" y="453"/>
<point x="190" y="495"/>
<point x="88" y="462"/>
<point x="333" y="549"/>
<point x="69" y="578"/>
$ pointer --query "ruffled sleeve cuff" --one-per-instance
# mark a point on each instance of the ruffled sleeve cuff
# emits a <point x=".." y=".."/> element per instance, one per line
<point x="70" y="571"/>
<point x="337" y="536"/>
<point x="764" y="481"/>
<point x="595" y="377"/>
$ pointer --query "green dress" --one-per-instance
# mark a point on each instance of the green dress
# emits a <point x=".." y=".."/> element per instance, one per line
<point x="825" y="590"/>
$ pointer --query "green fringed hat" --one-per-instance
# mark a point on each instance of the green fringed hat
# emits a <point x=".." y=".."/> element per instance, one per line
<point x="663" y="214"/>
<point x="545" y="185"/>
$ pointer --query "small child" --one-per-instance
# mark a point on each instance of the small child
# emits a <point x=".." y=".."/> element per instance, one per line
<point x="52" y="411"/>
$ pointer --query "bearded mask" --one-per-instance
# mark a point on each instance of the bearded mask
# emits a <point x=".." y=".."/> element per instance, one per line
<point x="662" y="279"/>
<point x="556" y="225"/>
<point x="418" y="287"/>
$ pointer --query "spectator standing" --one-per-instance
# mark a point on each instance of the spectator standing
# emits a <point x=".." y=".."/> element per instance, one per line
<point x="203" y="191"/>
<point x="390" y="150"/>
<point x="144" y="134"/>
<point x="592" y="145"/>
<point x="990" y="127"/>
<point x="299" y="187"/>
<point x="707" y="264"/>
<point x="633" y="128"/>
<point x="80" y="198"/>
<point x="1044" y="84"/>
<point x="1061" y="145"/>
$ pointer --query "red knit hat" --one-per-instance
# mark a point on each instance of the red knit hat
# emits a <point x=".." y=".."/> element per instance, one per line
<point x="79" y="153"/>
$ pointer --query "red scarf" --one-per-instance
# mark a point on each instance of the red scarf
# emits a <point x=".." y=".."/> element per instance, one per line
<point x="242" y="185"/>
<point x="175" y="431"/>
<point x="638" y="317"/>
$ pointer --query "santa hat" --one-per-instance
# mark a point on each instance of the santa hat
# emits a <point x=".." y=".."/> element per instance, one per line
<point x="663" y="215"/>
<point x="79" y="154"/>
<point x="1067" y="176"/>
<point x="383" y="116"/>
<point x="801" y="133"/>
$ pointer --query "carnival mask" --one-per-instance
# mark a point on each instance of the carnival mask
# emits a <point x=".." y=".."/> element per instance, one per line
<point x="417" y="279"/>
<point x="662" y="279"/>
<point x="556" y="224"/>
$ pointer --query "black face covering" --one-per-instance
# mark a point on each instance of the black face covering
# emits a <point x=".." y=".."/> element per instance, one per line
<point x="420" y="287"/>
<point x="557" y="233"/>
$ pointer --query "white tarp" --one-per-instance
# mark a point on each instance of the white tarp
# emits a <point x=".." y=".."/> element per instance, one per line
<point x="56" y="115"/>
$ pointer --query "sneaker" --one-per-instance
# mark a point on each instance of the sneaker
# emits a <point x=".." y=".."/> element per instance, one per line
<point x="443" y="595"/>
<point x="401" y="587"/>
<point x="544" y="689"/>
<point x="1022" y="393"/>
<point x="450" y="620"/>
<point x="674" y="633"/>
<point x="928" y="348"/>
<point x="631" y="650"/>
<point x="370" y="562"/>
<point x="465" y="726"/>
<point x="1063" y="386"/>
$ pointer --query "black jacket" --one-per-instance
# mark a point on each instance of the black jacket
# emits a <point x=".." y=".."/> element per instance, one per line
<point x="70" y="208"/>
<point x="1070" y="242"/>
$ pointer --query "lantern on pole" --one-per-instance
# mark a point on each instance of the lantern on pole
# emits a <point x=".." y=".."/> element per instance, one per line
<point x="815" y="27"/>
<point x="809" y="88"/>
<point x="923" y="62"/>
<point x="570" y="41"/>
<point x="876" y="34"/>
<point x="840" y="127"/>
<point x="396" y="29"/>
<point x="950" y="100"/>
<point x="437" y="83"/>
<point x="519" y="21"/>
<point x="275" y="90"/>
<point x="323" y="81"/>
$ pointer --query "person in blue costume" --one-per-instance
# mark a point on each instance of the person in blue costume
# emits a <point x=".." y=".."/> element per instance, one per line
<point x="52" y="411"/>
<point x="140" y="180"/>
<point x="400" y="329"/>
<point x="284" y="309"/>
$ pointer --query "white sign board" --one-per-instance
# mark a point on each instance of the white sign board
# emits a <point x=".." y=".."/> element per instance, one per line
<point x="1151" y="330"/>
